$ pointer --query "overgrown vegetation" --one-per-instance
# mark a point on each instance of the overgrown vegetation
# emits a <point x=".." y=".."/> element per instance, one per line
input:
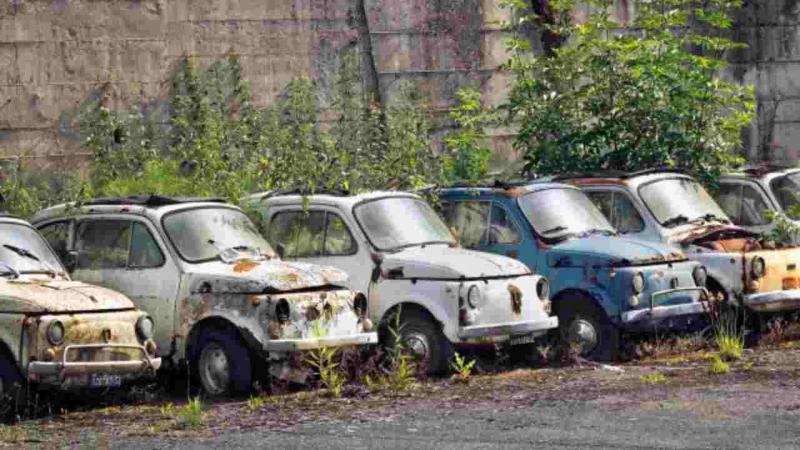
<point x="653" y="378"/>
<point x="718" y="366"/>
<point x="729" y="336"/>
<point x="186" y="417"/>
<point x="462" y="367"/>
<point x="628" y="95"/>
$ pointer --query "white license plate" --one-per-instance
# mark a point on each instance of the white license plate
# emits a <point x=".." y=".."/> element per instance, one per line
<point x="524" y="339"/>
<point x="105" y="380"/>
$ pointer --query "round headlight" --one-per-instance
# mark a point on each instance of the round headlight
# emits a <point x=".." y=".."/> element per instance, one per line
<point x="700" y="276"/>
<point x="145" y="327"/>
<point x="543" y="289"/>
<point x="758" y="267"/>
<point x="638" y="283"/>
<point x="473" y="296"/>
<point x="55" y="332"/>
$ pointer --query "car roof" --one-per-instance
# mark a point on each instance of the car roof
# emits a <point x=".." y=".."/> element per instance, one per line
<point x="513" y="189"/>
<point x="763" y="171"/>
<point x="338" y="198"/>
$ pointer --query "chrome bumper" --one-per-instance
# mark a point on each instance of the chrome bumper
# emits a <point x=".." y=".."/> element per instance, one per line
<point x="508" y="329"/>
<point x="295" y="345"/>
<point x="63" y="368"/>
<point x="774" y="301"/>
<point x="658" y="313"/>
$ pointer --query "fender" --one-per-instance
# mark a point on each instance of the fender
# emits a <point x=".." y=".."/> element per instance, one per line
<point x="600" y="296"/>
<point x="444" y="311"/>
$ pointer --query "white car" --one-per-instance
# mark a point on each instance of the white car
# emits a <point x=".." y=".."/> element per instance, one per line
<point x="396" y="248"/>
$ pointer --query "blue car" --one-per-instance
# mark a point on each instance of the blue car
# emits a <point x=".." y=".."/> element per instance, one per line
<point x="602" y="283"/>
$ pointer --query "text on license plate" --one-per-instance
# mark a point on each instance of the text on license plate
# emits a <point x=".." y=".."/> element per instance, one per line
<point x="524" y="339"/>
<point x="105" y="380"/>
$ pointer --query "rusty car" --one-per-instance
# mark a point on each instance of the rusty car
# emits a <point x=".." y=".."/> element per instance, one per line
<point x="670" y="206"/>
<point x="224" y="303"/>
<point x="602" y="284"/>
<point x="397" y="250"/>
<point x="57" y="333"/>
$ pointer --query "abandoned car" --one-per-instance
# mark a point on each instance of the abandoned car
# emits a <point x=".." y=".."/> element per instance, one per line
<point x="750" y="195"/>
<point x="59" y="333"/>
<point x="222" y="300"/>
<point x="671" y="207"/>
<point x="601" y="283"/>
<point x="395" y="248"/>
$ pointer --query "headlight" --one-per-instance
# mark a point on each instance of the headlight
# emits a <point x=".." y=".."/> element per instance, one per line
<point x="543" y="289"/>
<point x="638" y="283"/>
<point x="473" y="296"/>
<point x="145" y="327"/>
<point x="55" y="332"/>
<point x="758" y="268"/>
<point x="700" y="276"/>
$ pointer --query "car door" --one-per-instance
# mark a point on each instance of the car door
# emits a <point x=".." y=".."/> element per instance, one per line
<point x="129" y="256"/>
<point x="321" y="235"/>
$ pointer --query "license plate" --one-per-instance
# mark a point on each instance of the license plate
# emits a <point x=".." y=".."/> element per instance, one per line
<point x="105" y="380"/>
<point x="524" y="339"/>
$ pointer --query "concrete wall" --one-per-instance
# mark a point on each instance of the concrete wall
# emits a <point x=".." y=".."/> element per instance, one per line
<point x="55" y="54"/>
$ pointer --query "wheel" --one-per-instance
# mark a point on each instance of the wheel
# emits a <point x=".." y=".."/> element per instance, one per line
<point x="222" y="364"/>
<point x="584" y="325"/>
<point x="423" y="337"/>
<point x="12" y="392"/>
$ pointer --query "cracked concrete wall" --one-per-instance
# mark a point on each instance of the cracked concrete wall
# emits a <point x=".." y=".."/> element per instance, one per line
<point x="54" y="54"/>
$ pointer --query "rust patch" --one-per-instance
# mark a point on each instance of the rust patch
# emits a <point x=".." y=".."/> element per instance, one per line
<point x="516" y="299"/>
<point x="245" y="265"/>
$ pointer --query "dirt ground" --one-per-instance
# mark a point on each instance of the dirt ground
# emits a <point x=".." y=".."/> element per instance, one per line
<point x="766" y="378"/>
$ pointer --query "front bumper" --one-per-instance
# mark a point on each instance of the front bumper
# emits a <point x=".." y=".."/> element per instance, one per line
<point x="296" y="345"/>
<point x="49" y="371"/>
<point x="664" y="317"/>
<point x="775" y="301"/>
<point x="510" y="329"/>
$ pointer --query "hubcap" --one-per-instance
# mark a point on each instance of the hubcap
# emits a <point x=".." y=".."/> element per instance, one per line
<point x="418" y="344"/>
<point x="583" y="333"/>
<point x="214" y="369"/>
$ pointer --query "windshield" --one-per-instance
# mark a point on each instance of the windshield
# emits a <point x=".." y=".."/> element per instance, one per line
<point x="22" y="249"/>
<point x="397" y="222"/>
<point x="560" y="212"/>
<point x="786" y="189"/>
<point x="674" y="201"/>
<point x="202" y="234"/>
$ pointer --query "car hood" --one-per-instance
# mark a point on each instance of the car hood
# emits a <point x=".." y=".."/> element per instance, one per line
<point x="274" y="275"/>
<point x="44" y="296"/>
<point x="611" y="250"/>
<point x="445" y="262"/>
<point x="709" y="231"/>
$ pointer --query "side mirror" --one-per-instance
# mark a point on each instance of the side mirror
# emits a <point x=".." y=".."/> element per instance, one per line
<point x="280" y="249"/>
<point x="71" y="260"/>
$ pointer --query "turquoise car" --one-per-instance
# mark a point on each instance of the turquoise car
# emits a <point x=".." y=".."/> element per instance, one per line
<point x="602" y="283"/>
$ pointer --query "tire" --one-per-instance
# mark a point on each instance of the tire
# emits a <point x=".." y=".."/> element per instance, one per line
<point x="12" y="391"/>
<point x="424" y="338"/>
<point x="222" y="364"/>
<point x="581" y="320"/>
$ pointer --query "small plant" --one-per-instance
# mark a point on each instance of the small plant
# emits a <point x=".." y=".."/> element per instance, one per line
<point x="462" y="367"/>
<point x="255" y="403"/>
<point x="653" y="378"/>
<point x="401" y="367"/>
<point x="323" y="360"/>
<point x="12" y="434"/>
<point x="729" y="338"/>
<point x="718" y="366"/>
<point x="168" y="410"/>
<point x="783" y="231"/>
<point x="190" y="415"/>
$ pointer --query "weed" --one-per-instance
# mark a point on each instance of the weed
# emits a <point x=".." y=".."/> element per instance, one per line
<point x="718" y="366"/>
<point x="13" y="434"/>
<point x="653" y="378"/>
<point x="168" y="410"/>
<point x="728" y="334"/>
<point x="777" y="332"/>
<point x="190" y="415"/>
<point x="545" y="353"/>
<point x="462" y="367"/>
<point x="255" y="403"/>
<point x="323" y="359"/>
<point x="401" y="367"/>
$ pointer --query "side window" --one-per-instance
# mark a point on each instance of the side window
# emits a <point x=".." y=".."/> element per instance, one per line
<point x="729" y="197"/>
<point x="471" y="220"/>
<point x="144" y="249"/>
<point x="102" y="244"/>
<point x="603" y="201"/>
<point x="753" y="207"/>
<point x="624" y="216"/>
<point x="299" y="233"/>
<point x="502" y="229"/>
<point x="57" y="235"/>
<point x="338" y="239"/>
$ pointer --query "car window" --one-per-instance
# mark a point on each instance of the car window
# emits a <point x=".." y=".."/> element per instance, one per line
<point x="102" y="244"/>
<point x="729" y="197"/>
<point x="624" y="215"/>
<point x="299" y="233"/>
<point x="603" y="201"/>
<point x="754" y="207"/>
<point x="145" y="251"/>
<point x="57" y="235"/>
<point x="502" y="229"/>
<point x="338" y="239"/>
<point x="470" y="219"/>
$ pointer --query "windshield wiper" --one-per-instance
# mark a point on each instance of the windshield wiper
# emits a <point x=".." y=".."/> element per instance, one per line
<point x="10" y="271"/>
<point x="603" y="231"/>
<point x="555" y="229"/>
<point x="675" y="220"/>
<point x="711" y="216"/>
<point x="28" y="254"/>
